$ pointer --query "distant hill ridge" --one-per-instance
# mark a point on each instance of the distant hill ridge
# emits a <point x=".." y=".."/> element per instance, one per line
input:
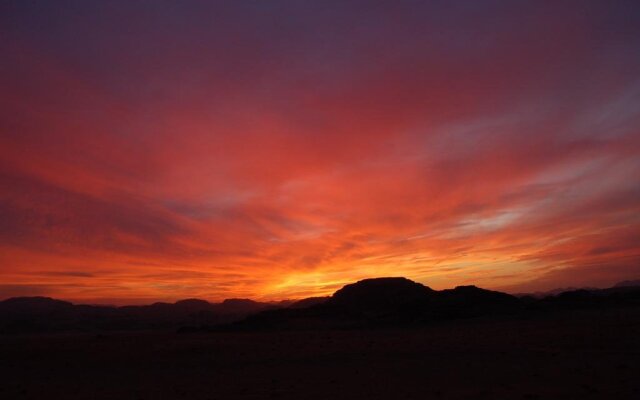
<point x="366" y="303"/>
<point x="35" y="314"/>
<point x="634" y="283"/>
<point x="385" y="302"/>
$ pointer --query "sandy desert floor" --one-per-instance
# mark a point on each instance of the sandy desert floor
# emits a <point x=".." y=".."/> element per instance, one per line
<point x="568" y="355"/>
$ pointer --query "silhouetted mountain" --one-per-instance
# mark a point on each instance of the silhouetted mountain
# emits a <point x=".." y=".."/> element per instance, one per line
<point x="192" y="305"/>
<point x="401" y="302"/>
<point x="375" y="296"/>
<point x="385" y="302"/>
<point x="308" y="302"/>
<point x="241" y="306"/>
<point x="367" y="303"/>
<point x="584" y="298"/>
<point x="633" y="283"/>
<point x="559" y="291"/>
<point x="552" y="292"/>
<point x="470" y="301"/>
<point x="38" y="314"/>
<point x="33" y="305"/>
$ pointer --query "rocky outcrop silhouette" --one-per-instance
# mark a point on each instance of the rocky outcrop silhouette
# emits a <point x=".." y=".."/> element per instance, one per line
<point x="632" y="283"/>
<point x="584" y="298"/>
<point x="381" y="295"/>
<point x="379" y="302"/>
<point x="309" y="301"/>
<point x="383" y="302"/>
<point x="33" y="305"/>
<point x="241" y="306"/>
<point x="399" y="302"/>
<point x="43" y="314"/>
<point x="470" y="301"/>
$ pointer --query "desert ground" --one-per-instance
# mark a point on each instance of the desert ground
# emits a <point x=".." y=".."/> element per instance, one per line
<point x="562" y="355"/>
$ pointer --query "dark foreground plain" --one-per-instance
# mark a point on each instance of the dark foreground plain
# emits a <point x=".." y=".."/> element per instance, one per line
<point x="568" y="354"/>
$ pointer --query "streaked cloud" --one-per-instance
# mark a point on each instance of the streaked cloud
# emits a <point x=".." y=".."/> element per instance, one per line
<point x="272" y="151"/>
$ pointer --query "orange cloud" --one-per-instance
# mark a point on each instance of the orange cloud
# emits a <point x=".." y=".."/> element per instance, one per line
<point x="249" y="159"/>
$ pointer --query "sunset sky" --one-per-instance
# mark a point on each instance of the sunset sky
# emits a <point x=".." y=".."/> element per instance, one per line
<point x="159" y="150"/>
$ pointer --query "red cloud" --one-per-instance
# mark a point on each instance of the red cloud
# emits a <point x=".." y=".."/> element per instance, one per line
<point x="277" y="165"/>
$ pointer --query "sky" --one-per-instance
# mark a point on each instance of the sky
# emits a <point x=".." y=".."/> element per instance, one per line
<point x="161" y="150"/>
